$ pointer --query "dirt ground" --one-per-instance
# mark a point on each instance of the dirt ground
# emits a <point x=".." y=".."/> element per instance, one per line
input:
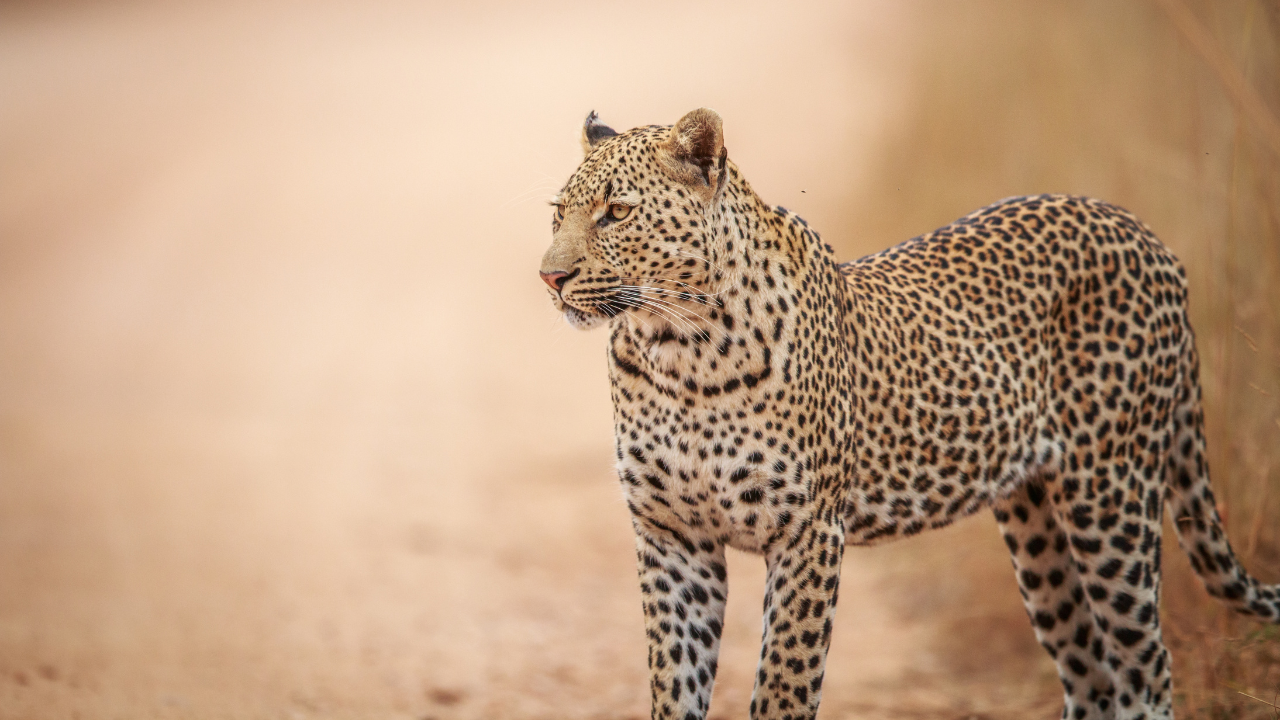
<point x="287" y="426"/>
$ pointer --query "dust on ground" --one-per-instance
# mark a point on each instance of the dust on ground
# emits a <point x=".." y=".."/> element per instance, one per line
<point x="288" y="427"/>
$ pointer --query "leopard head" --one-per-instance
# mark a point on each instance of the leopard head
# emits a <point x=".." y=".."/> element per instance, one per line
<point x="634" y="229"/>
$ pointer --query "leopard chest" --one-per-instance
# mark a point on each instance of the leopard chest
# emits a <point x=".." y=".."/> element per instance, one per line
<point x="715" y="472"/>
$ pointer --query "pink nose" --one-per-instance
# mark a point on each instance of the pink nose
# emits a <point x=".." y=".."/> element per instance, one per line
<point x="555" y="280"/>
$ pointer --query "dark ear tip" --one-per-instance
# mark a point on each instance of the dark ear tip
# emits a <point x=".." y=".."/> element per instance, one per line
<point x="594" y="130"/>
<point x="596" y="133"/>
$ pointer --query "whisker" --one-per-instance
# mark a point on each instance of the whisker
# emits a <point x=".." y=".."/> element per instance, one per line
<point x="684" y="312"/>
<point x="686" y="253"/>
<point x="666" y="279"/>
<point x="544" y="185"/>
<point x="667" y="297"/>
<point x="525" y="197"/>
<point x="697" y="293"/>
<point x="647" y="326"/>
<point x="704" y="326"/>
<point x="681" y="322"/>
<point x="673" y="313"/>
<point x="673" y="306"/>
<point x="679" y="294"/>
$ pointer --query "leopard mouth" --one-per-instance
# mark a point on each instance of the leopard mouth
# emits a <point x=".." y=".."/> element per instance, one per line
<point x="590" y="307"/>
<point x="584" y="317"/>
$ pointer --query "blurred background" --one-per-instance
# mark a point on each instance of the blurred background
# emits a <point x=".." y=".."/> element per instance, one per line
<point x="288" y="428"/>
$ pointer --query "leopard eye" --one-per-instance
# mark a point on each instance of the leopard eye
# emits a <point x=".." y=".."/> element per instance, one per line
<point x="560" y="212"/>
<point x="619" y="212"/>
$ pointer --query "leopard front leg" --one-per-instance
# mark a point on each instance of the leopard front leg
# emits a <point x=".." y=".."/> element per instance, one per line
<point x="683" y="588"/>
<point x="799" y="606"/>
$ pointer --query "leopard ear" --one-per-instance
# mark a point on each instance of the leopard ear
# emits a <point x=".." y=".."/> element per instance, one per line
<point x="594" y="132"/>
<point x="695" y="149"/>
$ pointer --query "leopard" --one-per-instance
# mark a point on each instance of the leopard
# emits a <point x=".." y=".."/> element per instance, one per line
<point x="1034" y="357"/>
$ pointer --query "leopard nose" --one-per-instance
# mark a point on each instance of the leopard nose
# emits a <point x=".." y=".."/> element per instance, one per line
<point x="554" y="279"/>
<point x="557" y="279"/>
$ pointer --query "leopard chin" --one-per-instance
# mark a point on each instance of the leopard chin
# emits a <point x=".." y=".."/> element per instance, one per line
<point x="577" y="317"/>
<point x="583" y="319"/>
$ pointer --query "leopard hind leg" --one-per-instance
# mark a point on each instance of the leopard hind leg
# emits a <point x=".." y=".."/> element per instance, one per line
<point x="1112" y="515"/>
<point x="1054" y="596"/>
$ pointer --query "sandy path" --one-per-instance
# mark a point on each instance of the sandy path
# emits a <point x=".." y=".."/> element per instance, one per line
<point x="287" y="427"/>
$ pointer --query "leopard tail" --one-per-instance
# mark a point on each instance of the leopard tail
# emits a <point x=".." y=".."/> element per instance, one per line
<point x="1195" y="515"/>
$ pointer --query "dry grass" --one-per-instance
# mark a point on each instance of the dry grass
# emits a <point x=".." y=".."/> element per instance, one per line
<point x="1167" y="108"/>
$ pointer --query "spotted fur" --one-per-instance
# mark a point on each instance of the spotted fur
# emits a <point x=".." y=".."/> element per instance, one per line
<point x="1034" y="357"/>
